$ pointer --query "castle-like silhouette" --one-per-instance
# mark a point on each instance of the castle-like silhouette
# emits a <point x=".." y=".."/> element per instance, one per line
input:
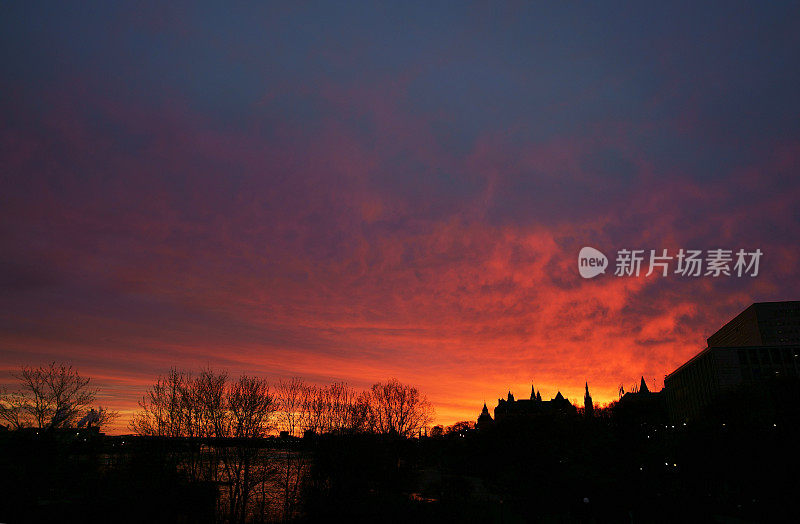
<point x="510" y="408"/>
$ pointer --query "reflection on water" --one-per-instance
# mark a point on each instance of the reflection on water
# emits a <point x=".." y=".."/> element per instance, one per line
<point x="252" y="484"/>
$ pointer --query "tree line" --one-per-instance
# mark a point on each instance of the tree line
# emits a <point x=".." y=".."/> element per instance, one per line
<point x="221" y="419"/>
<point x="211" y="404"/>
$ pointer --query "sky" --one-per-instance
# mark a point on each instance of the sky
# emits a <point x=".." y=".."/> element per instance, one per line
<point x="401" y="190"/>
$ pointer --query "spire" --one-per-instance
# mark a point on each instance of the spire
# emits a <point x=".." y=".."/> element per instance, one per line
<point x="510" y="396"/>
<point x="538" y="396"/>
<point x="533" y="393"/>
<point x="643" y="387"/>
<point x="484" y="419"/>
<point x="588" y="406"/>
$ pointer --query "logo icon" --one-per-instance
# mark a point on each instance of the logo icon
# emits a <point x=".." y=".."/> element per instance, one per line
<point x="591" y="262"/>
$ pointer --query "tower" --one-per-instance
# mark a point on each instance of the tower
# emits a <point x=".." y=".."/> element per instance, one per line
<point x="485" y="420"/>
<point x="588" y="407"/>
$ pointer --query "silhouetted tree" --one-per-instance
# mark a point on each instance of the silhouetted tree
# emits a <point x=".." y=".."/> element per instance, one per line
<point x="14" y="408"/>
<point x="460" y="428"/>
<point x="395" y="408"/>
<point x="294" y="414"/>
<point x="53" y="396"/>
<point x="249" y="406"/>
<point x="304" y="408"/>
<point x="344" y="412"/>
<point x="290" y="396"/>
<point x="211" y="406"/>
<point x="165" y="410"/>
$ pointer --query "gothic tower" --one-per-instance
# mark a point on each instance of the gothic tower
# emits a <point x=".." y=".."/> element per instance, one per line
<point x="485" y="419"/>
<point x="587" y="403"/>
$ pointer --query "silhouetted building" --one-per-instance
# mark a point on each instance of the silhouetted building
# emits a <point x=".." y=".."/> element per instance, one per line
<point x="510" y="408"/>
<point x="716" y="370"/>
<point x="760" y="344"/>
<point x="641" y="406"/>
<point x="485" y="420"/>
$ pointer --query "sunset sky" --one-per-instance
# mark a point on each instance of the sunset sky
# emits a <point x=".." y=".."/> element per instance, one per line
<point x="376" y="192"/>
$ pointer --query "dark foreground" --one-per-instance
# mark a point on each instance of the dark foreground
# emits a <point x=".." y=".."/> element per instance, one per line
<point x="549" y="470"/>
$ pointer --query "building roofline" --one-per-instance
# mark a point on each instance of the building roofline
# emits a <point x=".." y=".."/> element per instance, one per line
<point x="755" y="306"/>
<point x="714" y="348"/>
<point x="698" y="355"/>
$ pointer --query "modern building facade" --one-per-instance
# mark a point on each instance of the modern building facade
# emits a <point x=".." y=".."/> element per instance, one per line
<point x="760" y="344"/>
<point x="761" y="324"/>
